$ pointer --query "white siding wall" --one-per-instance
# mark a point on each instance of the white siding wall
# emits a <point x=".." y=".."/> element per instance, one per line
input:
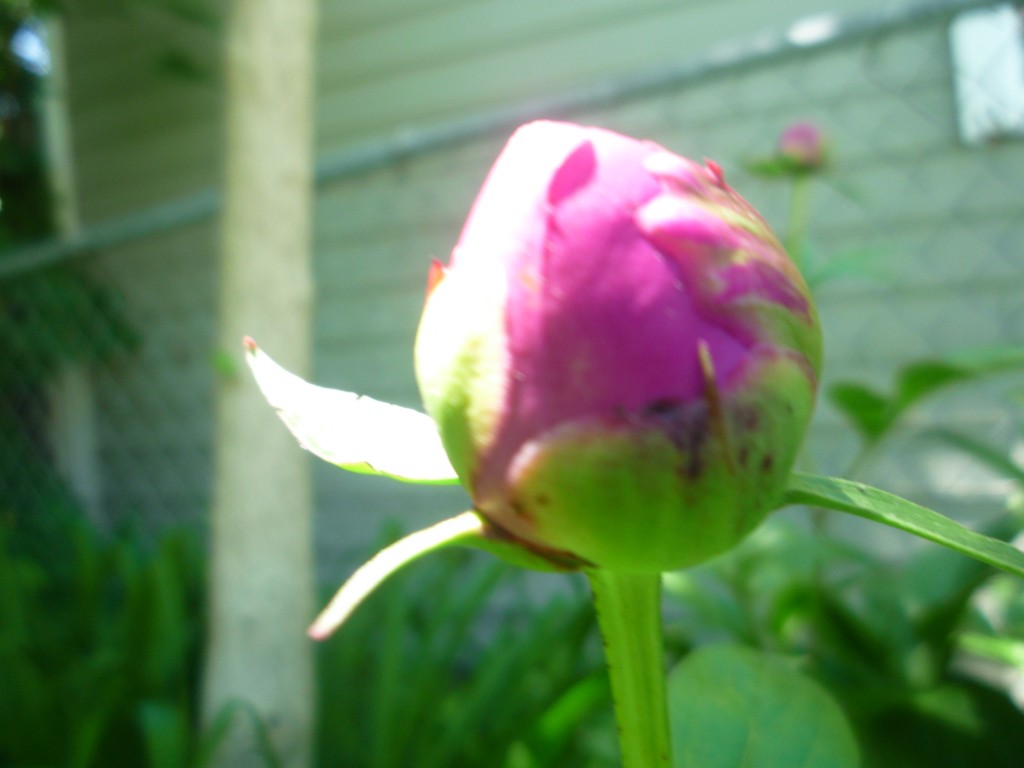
<point x="946" y="219"/>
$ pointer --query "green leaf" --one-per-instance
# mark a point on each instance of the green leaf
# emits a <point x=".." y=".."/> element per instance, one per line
<point x="873" y="414"/>
<point x="882" y="507"/>
<point x="918" y="380"/>
<point x="1004" y="650"/>
<point x="566" y="716"/>
<point x="780" y="167"/>
<point x="166" y="733"/>
<point x="355" y="433"/>
<point x="864" y="263"/>
<point x="774" y="167"/>
<point x="922" y="378"/>
<point x="867" y="410"/>
<point x="733" y="706"/>
<point x="959" y="724"/>
<point x="237" y="713"/>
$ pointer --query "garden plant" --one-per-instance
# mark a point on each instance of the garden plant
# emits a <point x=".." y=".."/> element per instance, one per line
<point x="619" y="363"/>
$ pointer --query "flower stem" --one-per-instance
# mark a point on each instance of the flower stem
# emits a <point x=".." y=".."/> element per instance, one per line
<point x="799" y="211"/>
<point x="629" y="614"/>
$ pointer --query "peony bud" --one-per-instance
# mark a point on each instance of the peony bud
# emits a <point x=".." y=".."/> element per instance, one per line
<point x="803" y="146"/>
<point x="620" y="357"/>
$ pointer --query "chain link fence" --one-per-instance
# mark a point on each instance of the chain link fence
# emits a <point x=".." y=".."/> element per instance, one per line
<point x="108" y="368"/>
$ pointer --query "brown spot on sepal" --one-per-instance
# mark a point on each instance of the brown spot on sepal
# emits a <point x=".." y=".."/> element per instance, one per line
<point x="558" y="559"/>
<point x="686" y="425"/>
<point x="520" y="510"/>
<point x="743" y="457"/>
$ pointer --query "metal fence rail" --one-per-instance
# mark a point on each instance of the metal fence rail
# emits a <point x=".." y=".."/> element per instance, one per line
<point x="816" y="33"/>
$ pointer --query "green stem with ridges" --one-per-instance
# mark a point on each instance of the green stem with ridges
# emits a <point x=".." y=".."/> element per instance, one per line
<point x="629" y="615"/>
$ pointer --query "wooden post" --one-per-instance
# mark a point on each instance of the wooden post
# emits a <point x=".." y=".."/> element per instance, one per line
<point x="260" y="660"/>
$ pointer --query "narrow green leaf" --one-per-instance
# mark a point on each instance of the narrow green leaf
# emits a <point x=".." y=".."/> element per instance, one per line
<point x="733" y="706"/>
<point x="565" y="717"/>
<point x="1004" y="650"/>
<point x="237" y="714"/>
<point x="883" y="507"/>
<point x="165" y="731"/>
<point x="355" y="433"/>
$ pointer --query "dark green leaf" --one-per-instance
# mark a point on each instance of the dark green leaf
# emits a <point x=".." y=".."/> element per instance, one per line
<point x="947" y="726"/>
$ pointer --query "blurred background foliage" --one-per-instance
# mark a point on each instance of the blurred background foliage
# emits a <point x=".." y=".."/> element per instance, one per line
<point x="101" y="653"/>
<point x="462" y="661"/>
<point x="49" y="318"/>
<point x="24" y="186"/>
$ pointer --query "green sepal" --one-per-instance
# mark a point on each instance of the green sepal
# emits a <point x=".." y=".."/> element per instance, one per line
<point x="466" y="530"/>
<point x="356" y="433"/>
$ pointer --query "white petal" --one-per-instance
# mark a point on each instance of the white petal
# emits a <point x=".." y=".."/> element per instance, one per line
<point x="359" y="434"/>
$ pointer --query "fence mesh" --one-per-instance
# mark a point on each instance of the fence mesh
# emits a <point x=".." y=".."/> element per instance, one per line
<point x="107" y="368"/>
